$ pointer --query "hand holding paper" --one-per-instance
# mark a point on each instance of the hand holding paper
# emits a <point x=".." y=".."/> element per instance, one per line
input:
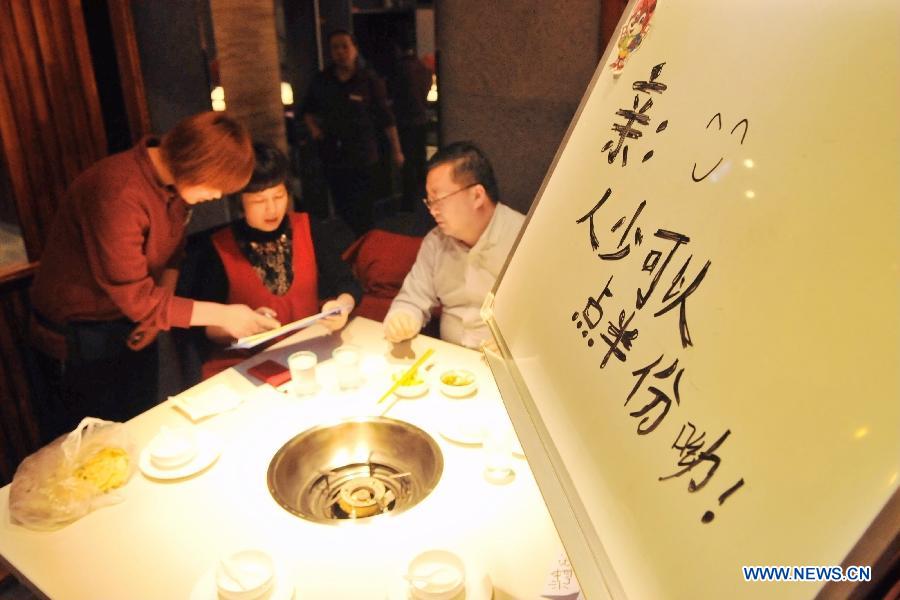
<point x="337" y="321"/>
<point x="252" y="341"/>
<point x="242" y="321"/>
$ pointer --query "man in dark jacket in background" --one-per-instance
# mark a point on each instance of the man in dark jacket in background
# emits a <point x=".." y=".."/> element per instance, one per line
<point x="345" y="107"/>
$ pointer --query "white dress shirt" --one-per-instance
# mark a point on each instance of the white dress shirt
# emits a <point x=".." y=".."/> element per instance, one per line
<point x="449" y="274"/>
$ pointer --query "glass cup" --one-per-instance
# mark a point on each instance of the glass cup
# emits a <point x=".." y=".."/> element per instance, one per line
<point x="347" y="364"/>
<point x="303" y="372"/>
<point x="497" y="445"/>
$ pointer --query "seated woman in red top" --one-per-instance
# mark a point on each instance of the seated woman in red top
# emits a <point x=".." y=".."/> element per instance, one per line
<point x="272" y="260"/>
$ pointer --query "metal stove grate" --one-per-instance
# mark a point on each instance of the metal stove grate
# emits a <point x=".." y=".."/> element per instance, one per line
<point x="315" y="477"/>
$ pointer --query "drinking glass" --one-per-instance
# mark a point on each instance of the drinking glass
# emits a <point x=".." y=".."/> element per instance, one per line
<point x="497" y="446"/>
<point x="347" y="363"/>
<point x="303" y="372"/>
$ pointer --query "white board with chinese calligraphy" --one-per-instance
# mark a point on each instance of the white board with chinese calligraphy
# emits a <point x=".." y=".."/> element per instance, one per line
<point x="701" y="320"/>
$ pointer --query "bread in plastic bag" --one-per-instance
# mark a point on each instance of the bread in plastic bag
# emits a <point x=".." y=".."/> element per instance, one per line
<point x="73" y="475"/>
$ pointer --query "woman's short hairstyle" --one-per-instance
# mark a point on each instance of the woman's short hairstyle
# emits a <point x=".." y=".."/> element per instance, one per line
<point x="470" y="166"/>
<point x="270" y="168"/>
<point x="211" y="149"/>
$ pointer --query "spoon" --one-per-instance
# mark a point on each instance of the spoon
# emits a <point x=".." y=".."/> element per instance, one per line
<point x="235" y="573"/>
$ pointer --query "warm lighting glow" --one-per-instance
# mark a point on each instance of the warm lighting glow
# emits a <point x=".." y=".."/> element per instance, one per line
<point x="287" y="93"/>
<point x="750" y="194"/>
<point x="892" y="480"/>
<point x="218" y="98"/>
<point x="748" y="162"/>
<point x="433" y="93"/>
<point x="861" y="432"/>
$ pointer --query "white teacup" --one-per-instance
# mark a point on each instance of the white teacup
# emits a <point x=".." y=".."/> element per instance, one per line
<point x="436" y="575"/>
<point x="245" y="575"/>
<point x="172" y="448"/>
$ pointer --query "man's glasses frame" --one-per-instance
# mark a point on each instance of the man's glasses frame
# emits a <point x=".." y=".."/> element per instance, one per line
<point x="432" y="203"/>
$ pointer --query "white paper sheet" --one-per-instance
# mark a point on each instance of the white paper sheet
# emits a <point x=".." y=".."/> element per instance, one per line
<point x="260" y="338"/>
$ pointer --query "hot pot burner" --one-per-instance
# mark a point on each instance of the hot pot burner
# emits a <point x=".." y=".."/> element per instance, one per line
<point x="355" y="469"/>
<point x="359" y="491"/>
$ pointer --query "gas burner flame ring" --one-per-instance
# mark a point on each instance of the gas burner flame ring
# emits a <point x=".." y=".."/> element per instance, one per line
<point x="360" y="496"/>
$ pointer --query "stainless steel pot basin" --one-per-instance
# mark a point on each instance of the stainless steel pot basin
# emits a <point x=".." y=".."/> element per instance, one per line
<point x="355" y="469"/>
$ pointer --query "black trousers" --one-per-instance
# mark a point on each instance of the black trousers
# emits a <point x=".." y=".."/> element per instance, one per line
<point x="101" y="378"/>
<point x="351" y="190"/>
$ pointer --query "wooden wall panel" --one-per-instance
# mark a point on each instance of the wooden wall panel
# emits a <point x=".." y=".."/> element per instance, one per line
<point x="18" y="129"/>
<point x="50" y="122"/>
<point x="18" y="429"/>
<point x="51" y="129"/>
<point x="129" y="68"/>
<point x="43" y="72"/>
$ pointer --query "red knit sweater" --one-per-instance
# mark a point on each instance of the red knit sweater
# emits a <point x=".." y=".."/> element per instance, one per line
<point x="115" y="232"/>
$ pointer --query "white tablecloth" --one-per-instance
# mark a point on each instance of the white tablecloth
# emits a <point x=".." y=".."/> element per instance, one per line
<point x="160" y="541"/>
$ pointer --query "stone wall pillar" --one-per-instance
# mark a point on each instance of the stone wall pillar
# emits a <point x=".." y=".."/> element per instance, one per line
<point x="511" y="75"/>
<point x="247" y="53"/>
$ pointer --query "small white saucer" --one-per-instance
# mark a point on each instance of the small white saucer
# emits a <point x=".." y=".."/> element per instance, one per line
<point x="209" y="446"/>
<point x="284" y="588"/>
<point x="478" y="586"/>
<point x="463" y="427"/>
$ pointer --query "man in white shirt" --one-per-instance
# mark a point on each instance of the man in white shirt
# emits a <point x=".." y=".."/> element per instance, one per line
<point x="459" y="260"/>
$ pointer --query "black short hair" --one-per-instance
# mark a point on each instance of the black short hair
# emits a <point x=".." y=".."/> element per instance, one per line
<point x="336" y="32"/>
<point x="270" y="168"/>
<point x="470" y="166"/>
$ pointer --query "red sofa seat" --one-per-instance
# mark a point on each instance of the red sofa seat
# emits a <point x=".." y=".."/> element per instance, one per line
<point x="380" y="261"/>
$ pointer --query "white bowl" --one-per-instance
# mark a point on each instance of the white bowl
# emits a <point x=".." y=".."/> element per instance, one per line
<point x="245" y="575"/>
<point x="413" y="390"/>
<point x="457" y="383"/>
<point x="172" y="448"/>
<point x="436" y="575"/>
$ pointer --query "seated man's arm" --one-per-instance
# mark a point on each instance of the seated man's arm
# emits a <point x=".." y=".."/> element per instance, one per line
<point x="412" y="306"/>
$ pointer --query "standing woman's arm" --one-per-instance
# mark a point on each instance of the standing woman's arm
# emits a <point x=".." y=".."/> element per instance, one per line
<point x="114" y="240"/>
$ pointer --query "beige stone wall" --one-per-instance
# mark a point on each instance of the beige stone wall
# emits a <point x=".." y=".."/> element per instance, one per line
<point x="512" y="73"/>
<point x="247" y="51"/>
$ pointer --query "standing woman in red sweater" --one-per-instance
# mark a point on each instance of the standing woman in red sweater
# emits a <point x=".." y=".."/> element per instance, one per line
<point x="106" y="282"/>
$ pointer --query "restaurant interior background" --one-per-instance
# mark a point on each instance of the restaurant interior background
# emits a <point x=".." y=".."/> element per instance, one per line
<point x="84" y="79"/>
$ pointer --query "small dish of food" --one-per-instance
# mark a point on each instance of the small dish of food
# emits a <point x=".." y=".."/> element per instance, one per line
<point x="458" y="383"/>
<point x="412" y="387"/>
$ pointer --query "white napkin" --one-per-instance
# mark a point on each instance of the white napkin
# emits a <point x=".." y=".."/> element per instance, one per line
<point x="204" y="403"/>
<point x="561" y="583"/>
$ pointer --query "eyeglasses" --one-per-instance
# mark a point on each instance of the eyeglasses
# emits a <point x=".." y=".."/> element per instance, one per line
<point x="432" y="203"/>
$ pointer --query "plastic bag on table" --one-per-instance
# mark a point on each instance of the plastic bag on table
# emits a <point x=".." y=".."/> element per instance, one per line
<point x="73" y="475"/>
